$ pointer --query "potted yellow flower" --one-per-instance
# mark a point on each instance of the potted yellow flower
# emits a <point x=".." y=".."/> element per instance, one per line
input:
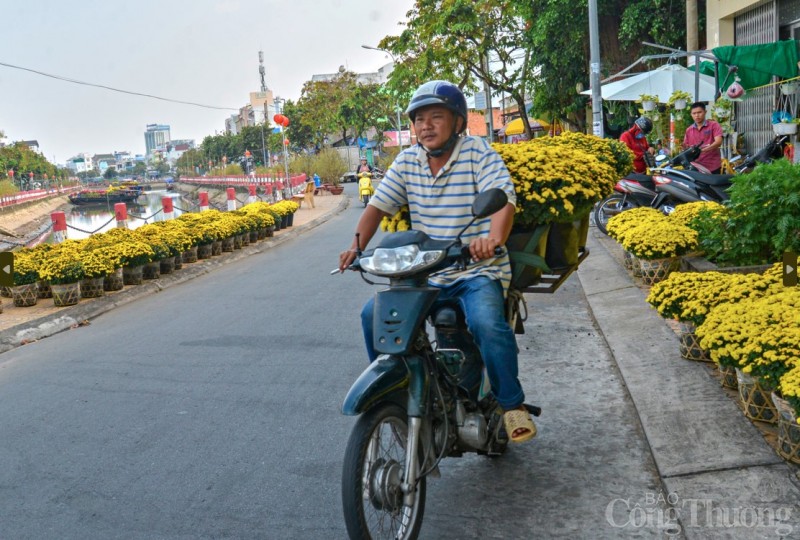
<point x="63" y="268"/>
<point x="24" y="292"/>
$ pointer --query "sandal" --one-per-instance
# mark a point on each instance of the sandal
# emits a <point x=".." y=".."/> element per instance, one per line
<point x="519" y="425"/>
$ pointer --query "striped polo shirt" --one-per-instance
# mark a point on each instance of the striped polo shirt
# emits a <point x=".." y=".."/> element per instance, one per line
<point x="441" y="206"/>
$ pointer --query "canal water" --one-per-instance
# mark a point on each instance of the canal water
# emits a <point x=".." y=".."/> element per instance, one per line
<point x="83" y="221"/>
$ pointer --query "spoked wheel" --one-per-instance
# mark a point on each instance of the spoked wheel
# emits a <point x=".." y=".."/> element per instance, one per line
<point x="373" y="501"/>
<point x="609" y="207"/>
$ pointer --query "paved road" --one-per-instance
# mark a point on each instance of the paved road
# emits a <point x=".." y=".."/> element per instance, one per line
<point x="211" y="410"/>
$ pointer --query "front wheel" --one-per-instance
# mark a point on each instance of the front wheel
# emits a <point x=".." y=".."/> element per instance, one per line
<point x="373" y="501"/>
<point x="609" y="207"/>
<point x="365" y="200"/>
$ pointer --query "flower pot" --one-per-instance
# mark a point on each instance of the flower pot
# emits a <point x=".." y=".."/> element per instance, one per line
<point x="237" y="241"/>
<point x="270" y="232"/>
<point x="679" y="104"/>
<point x="216" y="248"/>
<point x="178" y="262"/>
<point x="167" y="265"/>
<point x="5" y="291"/>
<point x="562" y="246"/>
<point x="25" y="295"/>
<point x="631" y="263"/>
<point x="788" y="430"/>
<point x="204" y="251"/>
<point x="721" y="112"/>
<point x="152" y="270"/>
<point x="755" y="399"/>
<point x="789" y="88"/>
<point x="227" y="244"/>
<point x="190" y="255"/>
<point x="44" y="290"/>
<point x="254" y="236"/>
<point x="245" y="238"/>
<point x="655" y="270"/>
<point x="114" y="281"/>
<point x="648" y="105"/>
<point x="284" y="221"/>
<point x="784" y="128"/>
<point x="66" y="294"/>
<point x="689" y="344"/>
<point x="291" y="219"/>
<point x="132" y="275"/>
<point x="336" y="190"/>
<point x="92" y="287"/>
<point x="527" y="249"/>
<point x="728" y="377"/>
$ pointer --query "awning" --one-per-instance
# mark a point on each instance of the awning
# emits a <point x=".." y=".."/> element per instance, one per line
<point x="661" y="82"/>
<point x="516" y="127"/>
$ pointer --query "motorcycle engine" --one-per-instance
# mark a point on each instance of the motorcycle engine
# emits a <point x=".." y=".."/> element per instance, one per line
<point x="472" y="430"/>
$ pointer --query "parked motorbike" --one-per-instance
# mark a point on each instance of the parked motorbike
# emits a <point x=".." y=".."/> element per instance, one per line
<point x="365" y="189"/>
<point x="421" y="400"/>
<point x="638" y="189"/>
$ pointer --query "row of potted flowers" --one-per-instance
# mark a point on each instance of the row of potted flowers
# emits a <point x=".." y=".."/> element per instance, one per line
<point x="108" y="261"/>
<point x="747" y="323"/>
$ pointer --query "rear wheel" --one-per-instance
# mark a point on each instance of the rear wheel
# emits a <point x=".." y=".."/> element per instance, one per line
<point x="609" y="207"/>
<point x="373" y="472"/>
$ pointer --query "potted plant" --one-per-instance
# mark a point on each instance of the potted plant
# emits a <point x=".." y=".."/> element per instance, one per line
<point x="787" y="126"/>
<point x="648" y="102"/>
<point x="679" y="99"/>
<point x="789" y="87"/>
<point x="722" y="109"/>
<point x="26" y="275"/>
<point x="63" y="269"/>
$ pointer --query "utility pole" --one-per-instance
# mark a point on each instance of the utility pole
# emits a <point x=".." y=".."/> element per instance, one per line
<point x="594" y="70"/>
<point x="487" y="91"/>
<point x="692" y="42"/>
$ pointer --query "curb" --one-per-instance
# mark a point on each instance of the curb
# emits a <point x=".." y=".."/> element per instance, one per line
<point x="77" y="315"/>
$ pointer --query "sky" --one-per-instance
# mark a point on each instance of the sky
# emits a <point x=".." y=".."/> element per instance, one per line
<point x="201" y="51"/>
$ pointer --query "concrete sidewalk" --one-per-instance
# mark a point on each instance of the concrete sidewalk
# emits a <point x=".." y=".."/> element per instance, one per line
<point x="720" y="477"/>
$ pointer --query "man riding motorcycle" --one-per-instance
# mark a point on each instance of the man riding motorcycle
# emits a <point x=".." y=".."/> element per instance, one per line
<point x="438" y="179"/>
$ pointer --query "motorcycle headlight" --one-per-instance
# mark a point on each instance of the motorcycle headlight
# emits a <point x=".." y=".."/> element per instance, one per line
<point x="400" y="261"/>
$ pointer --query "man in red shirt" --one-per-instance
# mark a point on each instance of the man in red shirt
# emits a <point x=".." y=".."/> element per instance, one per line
<point x="636" y="139"/>
<point x="706" y="133"/>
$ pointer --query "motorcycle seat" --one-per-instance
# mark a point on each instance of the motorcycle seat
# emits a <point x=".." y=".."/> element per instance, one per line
<point x="710" y="179"/>
<point x="644" y="179"/>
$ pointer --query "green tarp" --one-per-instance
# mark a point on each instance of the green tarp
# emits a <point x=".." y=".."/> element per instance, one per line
<point x="757" y="63"/>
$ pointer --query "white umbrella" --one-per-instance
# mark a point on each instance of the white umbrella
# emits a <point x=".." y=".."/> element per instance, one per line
<point x="661" y="82"/>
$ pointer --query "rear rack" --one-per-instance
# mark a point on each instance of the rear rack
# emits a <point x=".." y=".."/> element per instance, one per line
<point x="551" y="280"/>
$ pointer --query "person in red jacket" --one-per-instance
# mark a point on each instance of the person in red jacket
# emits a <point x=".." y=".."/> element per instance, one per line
<point x="636" y="139"/>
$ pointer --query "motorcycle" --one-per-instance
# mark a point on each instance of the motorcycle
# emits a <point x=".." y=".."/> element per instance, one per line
<point x="421" y="400"/>
<point x="365" y="189"/>
<point x="636" y="189"/>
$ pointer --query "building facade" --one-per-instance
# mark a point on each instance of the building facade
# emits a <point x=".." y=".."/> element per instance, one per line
<point x="753" y="22"/>
<point x="155" y="136"/>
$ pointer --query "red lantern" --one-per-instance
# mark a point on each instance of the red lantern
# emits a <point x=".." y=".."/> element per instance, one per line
<point x="285" y="122"/>
<point x="11" y="173"/>
<point x="247" y="153"/>
<point x="30" y="175"/>
<point x="278" y="119"/>
<point x="286" y="142"/>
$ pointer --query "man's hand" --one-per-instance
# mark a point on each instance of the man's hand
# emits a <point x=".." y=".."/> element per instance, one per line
<point x="346" y="258"/>
<point x="482" y="248"/>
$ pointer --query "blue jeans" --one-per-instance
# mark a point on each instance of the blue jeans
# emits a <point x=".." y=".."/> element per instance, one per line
<point x="481" y="299"/>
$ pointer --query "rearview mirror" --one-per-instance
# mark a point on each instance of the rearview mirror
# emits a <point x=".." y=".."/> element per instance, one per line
<point x="489" y="202"/>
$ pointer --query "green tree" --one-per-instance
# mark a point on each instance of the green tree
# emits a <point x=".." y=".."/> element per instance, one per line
<point x="538" y="48"/>
<point x="110" y="173"/>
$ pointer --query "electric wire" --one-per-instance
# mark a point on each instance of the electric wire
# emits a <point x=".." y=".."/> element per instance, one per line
<point x="75" y="81"/>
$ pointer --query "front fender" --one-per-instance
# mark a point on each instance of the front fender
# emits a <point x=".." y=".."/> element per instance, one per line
<point x="382" y="377"/>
